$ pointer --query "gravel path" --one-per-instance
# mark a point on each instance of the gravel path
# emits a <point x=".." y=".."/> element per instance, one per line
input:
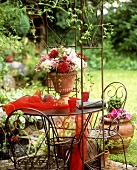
<point x="111" y="165"/>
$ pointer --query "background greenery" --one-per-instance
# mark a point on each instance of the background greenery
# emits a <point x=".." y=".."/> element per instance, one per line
<point x="119" y="26"/>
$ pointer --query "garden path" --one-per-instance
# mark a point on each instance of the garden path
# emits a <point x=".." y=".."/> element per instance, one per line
<point x="111" y="165"/>
<point x="8" y="165"/>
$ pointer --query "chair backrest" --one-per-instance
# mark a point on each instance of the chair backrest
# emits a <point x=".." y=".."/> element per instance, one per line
<point x="32" y="138"/>
<point x="115" y="94"/>
<point x="104" y="129"/>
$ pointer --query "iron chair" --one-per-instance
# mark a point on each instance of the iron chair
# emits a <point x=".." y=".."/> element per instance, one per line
<point x="33" y="141"/>
<point x="99" y="133"/>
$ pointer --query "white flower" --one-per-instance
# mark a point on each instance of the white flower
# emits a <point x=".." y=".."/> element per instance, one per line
<point x="70" y="52"/>
<point x="46" y="65"/>
<point x="77" y="63"/>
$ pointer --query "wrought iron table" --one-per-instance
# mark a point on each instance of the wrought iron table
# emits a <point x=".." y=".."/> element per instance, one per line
<point x="52" y="116"/>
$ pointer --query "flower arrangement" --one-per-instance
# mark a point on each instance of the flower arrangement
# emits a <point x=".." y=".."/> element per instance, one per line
<point x="115" y="109"/>
<point x="61" y="60"/>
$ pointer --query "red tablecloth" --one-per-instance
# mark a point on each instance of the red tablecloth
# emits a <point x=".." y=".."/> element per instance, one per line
<point x="35" y="101"/>
<point x="76" y="160"/>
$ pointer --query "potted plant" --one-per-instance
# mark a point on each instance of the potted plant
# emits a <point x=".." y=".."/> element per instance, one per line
<point x="105" y="158"/>
<point x="62" y="65"/>
<point x="118" y="120"/>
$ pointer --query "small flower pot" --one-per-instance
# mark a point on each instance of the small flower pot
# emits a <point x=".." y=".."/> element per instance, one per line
<point x="126" y="131"/>
<point x="104" y="159"/>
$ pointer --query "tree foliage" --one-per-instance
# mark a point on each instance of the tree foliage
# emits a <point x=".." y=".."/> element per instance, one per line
<point x="13" y="19"/>
<point x="124" y="21"/>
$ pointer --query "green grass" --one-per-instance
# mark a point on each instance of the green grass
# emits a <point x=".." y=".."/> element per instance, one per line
<point x="128" y="78"/>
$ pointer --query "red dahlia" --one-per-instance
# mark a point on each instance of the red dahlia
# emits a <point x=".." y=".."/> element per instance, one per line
<point x="81" y="55"/>
<point x="64" y="57"/>
<point x="53" y="53"/>
<point x="63" y="67"/>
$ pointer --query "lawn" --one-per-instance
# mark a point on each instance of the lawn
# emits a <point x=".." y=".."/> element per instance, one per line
<point x="128" y="78"/>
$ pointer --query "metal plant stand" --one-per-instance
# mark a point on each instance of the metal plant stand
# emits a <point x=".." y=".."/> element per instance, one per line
<point x="93" y="42"/>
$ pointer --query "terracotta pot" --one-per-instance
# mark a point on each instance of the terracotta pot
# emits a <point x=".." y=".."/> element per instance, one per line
<point x="104" y="158"/>
<point x="63" y="84"/>
<point x="126" y="130"/>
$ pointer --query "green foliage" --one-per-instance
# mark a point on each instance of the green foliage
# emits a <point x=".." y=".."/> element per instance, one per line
<point x="3" y="97"/>
<point x="87" y="81"/>
<point x="18" y="49"/>
<point x="7" y="96"/>
<point x="13" y="19"/>
<point x="117" y="143"/>
<point x="93" y="58"/>
<point x="123" y="19"/>
<point x="21" y="25"/>
<point x="114" y="103"/>
<point x="31" y="65"/>
<point x="117" y="55"/>
<point x="121" y="63"/>
<point x="134" y="119"/>
<point x="112" y="58"/>
<point x="15" y="47"/>
<point x="3" y="69"/>
<point x="9" y="44"/>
